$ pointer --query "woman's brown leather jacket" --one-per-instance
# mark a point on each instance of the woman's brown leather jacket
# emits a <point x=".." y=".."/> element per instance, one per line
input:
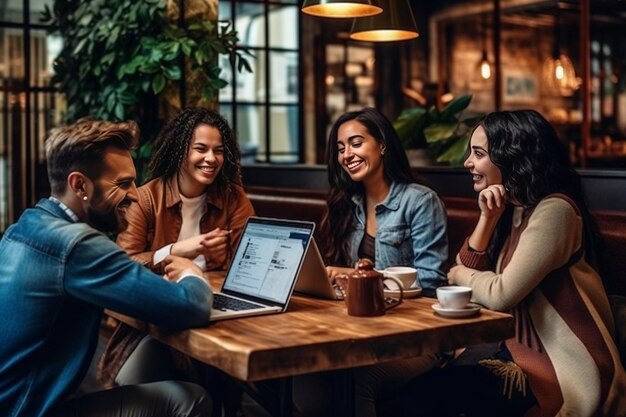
<point x="156" y="220"/>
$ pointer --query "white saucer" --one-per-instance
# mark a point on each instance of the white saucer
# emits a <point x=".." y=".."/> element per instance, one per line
<point x="410" y="293"/>
<point x="470" y="310"/>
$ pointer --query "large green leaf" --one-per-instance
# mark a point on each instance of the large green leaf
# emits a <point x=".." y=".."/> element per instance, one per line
<point x="440" y="131"/>
<point x="172" y="72"/>
<point x="455" y="153"/>
<point x="408" y="121"/>
<point x="455" y="106"/>
<point x="158" y="83"/>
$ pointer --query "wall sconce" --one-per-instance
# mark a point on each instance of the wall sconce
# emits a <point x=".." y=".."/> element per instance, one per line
<point x="341" y="8"/>
<point x="395" y="23"/>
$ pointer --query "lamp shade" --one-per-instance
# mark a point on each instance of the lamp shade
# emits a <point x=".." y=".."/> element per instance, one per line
<point x="395" y="23"/>
<point x="341" y="8"/>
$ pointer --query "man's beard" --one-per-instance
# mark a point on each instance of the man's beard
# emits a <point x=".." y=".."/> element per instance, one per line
<point x="110" y="222"/>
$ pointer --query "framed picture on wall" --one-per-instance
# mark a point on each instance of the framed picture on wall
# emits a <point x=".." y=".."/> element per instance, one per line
<point x="520" y="88"/>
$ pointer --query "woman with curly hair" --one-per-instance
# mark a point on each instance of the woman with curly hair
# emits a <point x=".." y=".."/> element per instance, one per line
<point x="532" y="254"/>
<point x="192" y="206"/>
<point x="376" y="210"/>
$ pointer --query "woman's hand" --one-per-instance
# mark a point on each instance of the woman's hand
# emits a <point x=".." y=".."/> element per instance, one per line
<point x="454" y="272"/>
<point x="216" y="243"/>
<point x="492" y="201"/>
<point x="211" y="244"/>
<point x="177" y="267"/>
<point x="333" y="271"/>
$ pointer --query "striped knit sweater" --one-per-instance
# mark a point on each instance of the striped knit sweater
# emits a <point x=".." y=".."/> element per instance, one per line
<point x="564" y="327"/>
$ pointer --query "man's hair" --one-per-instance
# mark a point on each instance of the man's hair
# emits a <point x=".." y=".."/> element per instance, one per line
<point x="81" y="146"/>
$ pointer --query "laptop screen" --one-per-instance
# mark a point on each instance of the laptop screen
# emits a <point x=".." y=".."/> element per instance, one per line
<point x="268" y="258"/>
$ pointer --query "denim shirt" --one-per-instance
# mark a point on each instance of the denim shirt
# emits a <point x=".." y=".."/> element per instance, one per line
<point x="56" y="276"/>
<point x="411" y="230"/>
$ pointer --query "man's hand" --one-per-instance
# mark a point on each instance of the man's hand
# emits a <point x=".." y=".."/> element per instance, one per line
<point x="177" y="267"/>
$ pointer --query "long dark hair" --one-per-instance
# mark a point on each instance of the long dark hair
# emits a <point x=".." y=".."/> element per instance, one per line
<point x="336" y="222"/>
<point x="172" y="145"/>
<point x="534" y="164"/>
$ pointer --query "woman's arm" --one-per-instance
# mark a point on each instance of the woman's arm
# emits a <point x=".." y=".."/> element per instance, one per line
<point x="429" y="236"/>
<point x="553" y="235"/>
<point x="134" y="239"/>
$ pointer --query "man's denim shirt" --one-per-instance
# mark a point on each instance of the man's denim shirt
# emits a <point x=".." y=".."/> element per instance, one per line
<point x="56" y="276"/>
<point x="411" y="231"/>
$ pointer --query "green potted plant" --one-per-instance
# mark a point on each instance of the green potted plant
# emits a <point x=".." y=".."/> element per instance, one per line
<point x="119" y="56"/>
<point x="443" y="133"/>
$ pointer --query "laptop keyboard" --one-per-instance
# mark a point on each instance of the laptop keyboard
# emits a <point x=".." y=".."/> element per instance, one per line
<point x="221" y="302"/>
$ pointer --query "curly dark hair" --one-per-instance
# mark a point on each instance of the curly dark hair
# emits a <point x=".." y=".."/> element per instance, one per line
<point x="336" y="222"/>
<point x="172" y="146"/>
<point x="534" y="163"/>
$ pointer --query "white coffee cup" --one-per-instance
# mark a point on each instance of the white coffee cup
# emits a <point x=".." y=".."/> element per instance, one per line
<point x="453" y="296"/>
<point x="406" y="275"/>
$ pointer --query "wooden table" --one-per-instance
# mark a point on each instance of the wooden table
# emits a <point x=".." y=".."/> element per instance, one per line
<point x="318" y="335"/>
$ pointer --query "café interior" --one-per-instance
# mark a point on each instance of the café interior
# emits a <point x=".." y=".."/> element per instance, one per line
<point x="564" y="58"/>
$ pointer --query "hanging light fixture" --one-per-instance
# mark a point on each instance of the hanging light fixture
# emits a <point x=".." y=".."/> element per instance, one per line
<point x="484" y="65"/>
<point x="395" y="23"/>
<point x="341" y="8"/>
<point x="559" y="76"/>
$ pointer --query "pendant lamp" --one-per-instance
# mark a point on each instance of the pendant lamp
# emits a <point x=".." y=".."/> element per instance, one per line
<point x="395" y="23"/>
<point x="484" y="66"/>
<point x="341" y="8"/>
<point x="559" y="76"/>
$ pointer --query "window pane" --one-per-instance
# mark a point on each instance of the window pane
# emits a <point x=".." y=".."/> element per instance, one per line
<point x="250" y="23"/>
<point x="284" y="77"/>
<point x="12" y="56"/>
<point x="224" y="10"/>
<point x="13" y="10"/>
<point x="251" y="131"/>
<point x="226" y="93"/>
<point x="284" y="133"/>
<point x="226" y="110"/>
<point x="284" y="27"/>
<point x="251" y="86"/>
<point x="36" y="8"/>
<point x="12" y="122"/>
<point x="46" y="112"/>
<point x="43" y="50"/>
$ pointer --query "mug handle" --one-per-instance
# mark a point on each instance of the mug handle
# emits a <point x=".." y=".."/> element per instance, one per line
<point x="396" y="302"/>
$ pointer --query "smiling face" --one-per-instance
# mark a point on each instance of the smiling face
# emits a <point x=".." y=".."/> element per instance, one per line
<point x="484" y="172"/>
<point x="113" y="191"/>
<point x="204" y="161"/>
<point x="359" y="153"/>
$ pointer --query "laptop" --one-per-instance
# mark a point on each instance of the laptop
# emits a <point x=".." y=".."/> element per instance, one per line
<point x="313" y="279"/>
<point x="263" y="271"/>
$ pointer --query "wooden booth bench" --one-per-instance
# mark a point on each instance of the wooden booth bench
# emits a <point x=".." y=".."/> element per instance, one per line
<point x="462" y="215"/>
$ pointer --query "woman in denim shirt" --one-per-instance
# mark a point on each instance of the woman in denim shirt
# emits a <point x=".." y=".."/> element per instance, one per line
<point x="376" y="210"/>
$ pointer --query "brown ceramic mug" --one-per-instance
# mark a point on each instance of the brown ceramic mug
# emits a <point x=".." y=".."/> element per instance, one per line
<point x="364" y="291"/>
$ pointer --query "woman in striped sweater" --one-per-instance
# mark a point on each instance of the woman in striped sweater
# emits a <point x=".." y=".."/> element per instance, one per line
<point x="532" y="254"/>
